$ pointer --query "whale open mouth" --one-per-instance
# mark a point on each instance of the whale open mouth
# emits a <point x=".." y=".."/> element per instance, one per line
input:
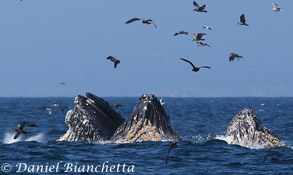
<point x="91" y="120"/>
<point x="148" y="122"/>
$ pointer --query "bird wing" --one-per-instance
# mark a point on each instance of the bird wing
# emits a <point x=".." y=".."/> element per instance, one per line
<point x="111" y="58"/>
<point x="231" y="57"/>
<point x="21" y="126"/>
<point x="115" y="64"/>
<point x="16" y="135"/>
<point x="153" y="23"/>
<point x="132" y="20"/>
<point x="31" y="125"/>
<point x="242" y="18"/>
<point x="188" y="62"/>
<point x="172" y="145"/>
<point x="203" y="7"/>
<point x="205" y="67"/>
<point x="275" y="5"/>
<point x="199" y="35"/>
<point x="195" y="4"/>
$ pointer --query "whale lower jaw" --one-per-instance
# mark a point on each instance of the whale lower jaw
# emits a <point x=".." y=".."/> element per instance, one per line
<point x="246" y="130"/>
<point x="91" y="120"/>
<point x="142" y="132"/>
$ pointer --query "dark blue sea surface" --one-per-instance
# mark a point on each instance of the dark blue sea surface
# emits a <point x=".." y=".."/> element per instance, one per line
<point x="199" y="121"/>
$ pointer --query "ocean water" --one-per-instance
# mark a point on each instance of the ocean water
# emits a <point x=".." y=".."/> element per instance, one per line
<point x="199" y="121"/>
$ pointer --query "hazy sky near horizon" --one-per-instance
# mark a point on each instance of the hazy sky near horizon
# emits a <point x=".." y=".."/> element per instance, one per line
<point x="47" y="42"/>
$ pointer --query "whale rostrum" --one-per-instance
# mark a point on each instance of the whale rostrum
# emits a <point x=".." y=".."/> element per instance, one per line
<point x="148" y="122"/>
<point x="246" y="130"/>
<point x="91" y="120"/>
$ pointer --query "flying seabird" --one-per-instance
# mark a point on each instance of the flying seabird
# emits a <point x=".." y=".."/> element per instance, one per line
<point x="195" y="69"/>
<point x="199" y="44"/>
<point x="144" y="21"/>
<point x="277" y="8"/>
<point x="172" y="145"/>
<point x="208" y="27"/>
<point x="55" y="104"/>
<point x="197" y="37"/>
<point x="199" y="8"/>
<point x="180" y="32"/>
<point x="242" y="20"/>
<point x="63" y="83"/>
<point x="233" y="56"/>
<point x="113" y="59"/>
<point x="49" y="110"/>
<point x="116" y="105"/>
<point x="20" y="129"/>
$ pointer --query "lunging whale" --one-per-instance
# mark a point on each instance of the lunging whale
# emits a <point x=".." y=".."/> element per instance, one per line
<point x="148" y="122"/>
<point x="246" y="130"/>
<point x="91" y="120"/>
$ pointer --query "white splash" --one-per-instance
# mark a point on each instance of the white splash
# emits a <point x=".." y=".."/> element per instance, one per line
<point x="230" y="141"/>
<point x="8" y="138"/>
<point x="202" y="138"/>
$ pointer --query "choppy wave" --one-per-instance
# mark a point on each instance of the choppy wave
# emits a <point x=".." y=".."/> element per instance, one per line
<point x="8" y="138"/>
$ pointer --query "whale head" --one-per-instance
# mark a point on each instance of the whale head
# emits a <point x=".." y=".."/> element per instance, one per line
<point x="148" y="122"/>
<point x="245" y="129"/>
<point x="91" y="120"/>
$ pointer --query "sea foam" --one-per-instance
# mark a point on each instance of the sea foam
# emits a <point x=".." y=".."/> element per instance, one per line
<point x="8" y="138"/>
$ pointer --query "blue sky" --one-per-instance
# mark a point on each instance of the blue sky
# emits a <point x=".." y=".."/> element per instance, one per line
<point x="47" y="42"/>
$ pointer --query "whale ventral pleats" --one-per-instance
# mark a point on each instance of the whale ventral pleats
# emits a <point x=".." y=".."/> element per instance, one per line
<point x="91" y="120"/>
<point x="148" y="122"/>
<point x="246" y="130"/>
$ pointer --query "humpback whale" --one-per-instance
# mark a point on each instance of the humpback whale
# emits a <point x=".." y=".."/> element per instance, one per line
<point x="246" y="130"/>
<point x="91" y="120"/>
<point x="148" y="122"/>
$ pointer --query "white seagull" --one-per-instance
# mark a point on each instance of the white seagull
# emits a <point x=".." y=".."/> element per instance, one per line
<point x="277" y="8"/>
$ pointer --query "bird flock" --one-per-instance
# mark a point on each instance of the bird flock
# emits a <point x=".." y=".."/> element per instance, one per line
<point x="198" y="37"/>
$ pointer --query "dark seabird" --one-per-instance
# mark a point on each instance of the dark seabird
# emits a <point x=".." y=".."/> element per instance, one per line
<point x="277" y="8"/>
<point x="20" y="129"/>
<point x="197" y="37"/>
<point x="49" y="110"/>
<point x="172" y="145"/>
<point x="242" y="20"/>
<point x="116" y="105"/>
<point x="180" y="32"/>
<point x="113" y="59"/>
<point x="144" y="21"/>
<point x="233" y="56"/>
<point x="199" y="44"/>
<point x="199" y="8"/>
<point x="63" y="83"/>
<point x="195" y="69"/>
